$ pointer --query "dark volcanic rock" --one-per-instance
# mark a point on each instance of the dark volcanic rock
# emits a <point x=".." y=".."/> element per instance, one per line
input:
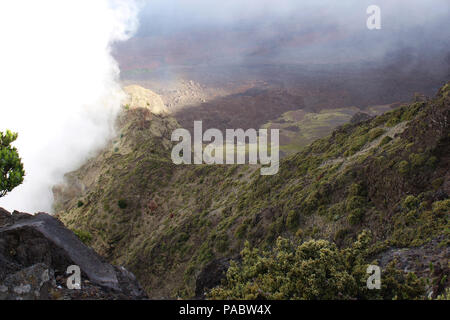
<point x="34" y="245"/>
<point x="430" y="259"/>
<point x="31" y="283"/>
<point x="211" y="276"/>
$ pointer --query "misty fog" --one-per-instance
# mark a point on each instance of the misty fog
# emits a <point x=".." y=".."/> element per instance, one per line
<point x="200" y="32"/>
<point x="59" y="86"/>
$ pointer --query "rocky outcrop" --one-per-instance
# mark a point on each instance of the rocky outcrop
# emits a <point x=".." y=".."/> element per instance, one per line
<point x="427" y="260"/>
<point x="35" y="252"/>
<point x="212" y="275"/>
<point x="139" y="97"/>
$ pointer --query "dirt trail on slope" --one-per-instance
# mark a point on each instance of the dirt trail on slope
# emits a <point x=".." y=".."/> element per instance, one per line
<point x="345" y="161"/>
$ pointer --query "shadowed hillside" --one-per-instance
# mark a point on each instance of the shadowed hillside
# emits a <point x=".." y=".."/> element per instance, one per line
<point x="388" y="175"/>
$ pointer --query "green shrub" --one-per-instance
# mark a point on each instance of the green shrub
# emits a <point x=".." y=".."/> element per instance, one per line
<point x="445" y="295"/>
<point x="341" y="234"/>
<point x="437" y="183"/>
<point x="299" y="234"/>
<point x="432" y="161"/>
<point x="357" y="144"/>
<point x="385" y="140"/>
<point x="410" y="111"/>
<point x="393" y="121"/>
<point x="410" y="202"/>
<point x="375" y="133"/>
<point x="310" y="204"/>
<point x="11" y="167"/>
<point x="241" y="231"/>
<point x="122" y="203"/>
<point x="356" y="216"/>
<point x="182" y="238"/>
<point x="417" y="160"/>
<point x="441" y="206"/>
<point x="357" y="189"/>
<point x="403" y="167"/>
<point x="80" y="204"/>
<point x="336" y="211"/>
<point x="316" y="269"/>
<point x="222" y="243"/>
<point x="292" y="219"/>
<point x="84" y="236"/>
<point x="355" y="202"/>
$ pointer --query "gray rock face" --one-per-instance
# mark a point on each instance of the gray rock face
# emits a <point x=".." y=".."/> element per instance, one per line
<point x="429" y="259"/>
<point x="31" y="246"/>
<point x="31" y="283"/>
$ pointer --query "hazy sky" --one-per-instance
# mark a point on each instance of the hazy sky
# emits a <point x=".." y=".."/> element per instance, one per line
<point x="193" y="31"/>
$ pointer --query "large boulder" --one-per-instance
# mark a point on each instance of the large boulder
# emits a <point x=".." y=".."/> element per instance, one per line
<point x="34" y="245"/>
<point x="31" y="283"/>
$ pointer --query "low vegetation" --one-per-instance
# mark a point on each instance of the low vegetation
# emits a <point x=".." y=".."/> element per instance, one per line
<point x="315" y="269"/>
<point x="388" y="175"/>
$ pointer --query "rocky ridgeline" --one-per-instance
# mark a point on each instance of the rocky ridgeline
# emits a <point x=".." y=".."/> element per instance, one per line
<point x="35" y="252"/>
<point x="139" y="97"/>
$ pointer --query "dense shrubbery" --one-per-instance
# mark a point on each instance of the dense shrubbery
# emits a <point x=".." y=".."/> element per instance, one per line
<point x="419" y="220"/>
<point x="315" y="269"/>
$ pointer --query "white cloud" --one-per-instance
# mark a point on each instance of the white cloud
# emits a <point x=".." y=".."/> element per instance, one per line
<point x="58" y="86"/>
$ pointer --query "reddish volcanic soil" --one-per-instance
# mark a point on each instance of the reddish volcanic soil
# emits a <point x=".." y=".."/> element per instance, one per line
<point x="248" y="96"/>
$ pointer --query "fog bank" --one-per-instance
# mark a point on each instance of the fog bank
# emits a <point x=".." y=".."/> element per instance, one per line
<point x="59" y="86"/>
